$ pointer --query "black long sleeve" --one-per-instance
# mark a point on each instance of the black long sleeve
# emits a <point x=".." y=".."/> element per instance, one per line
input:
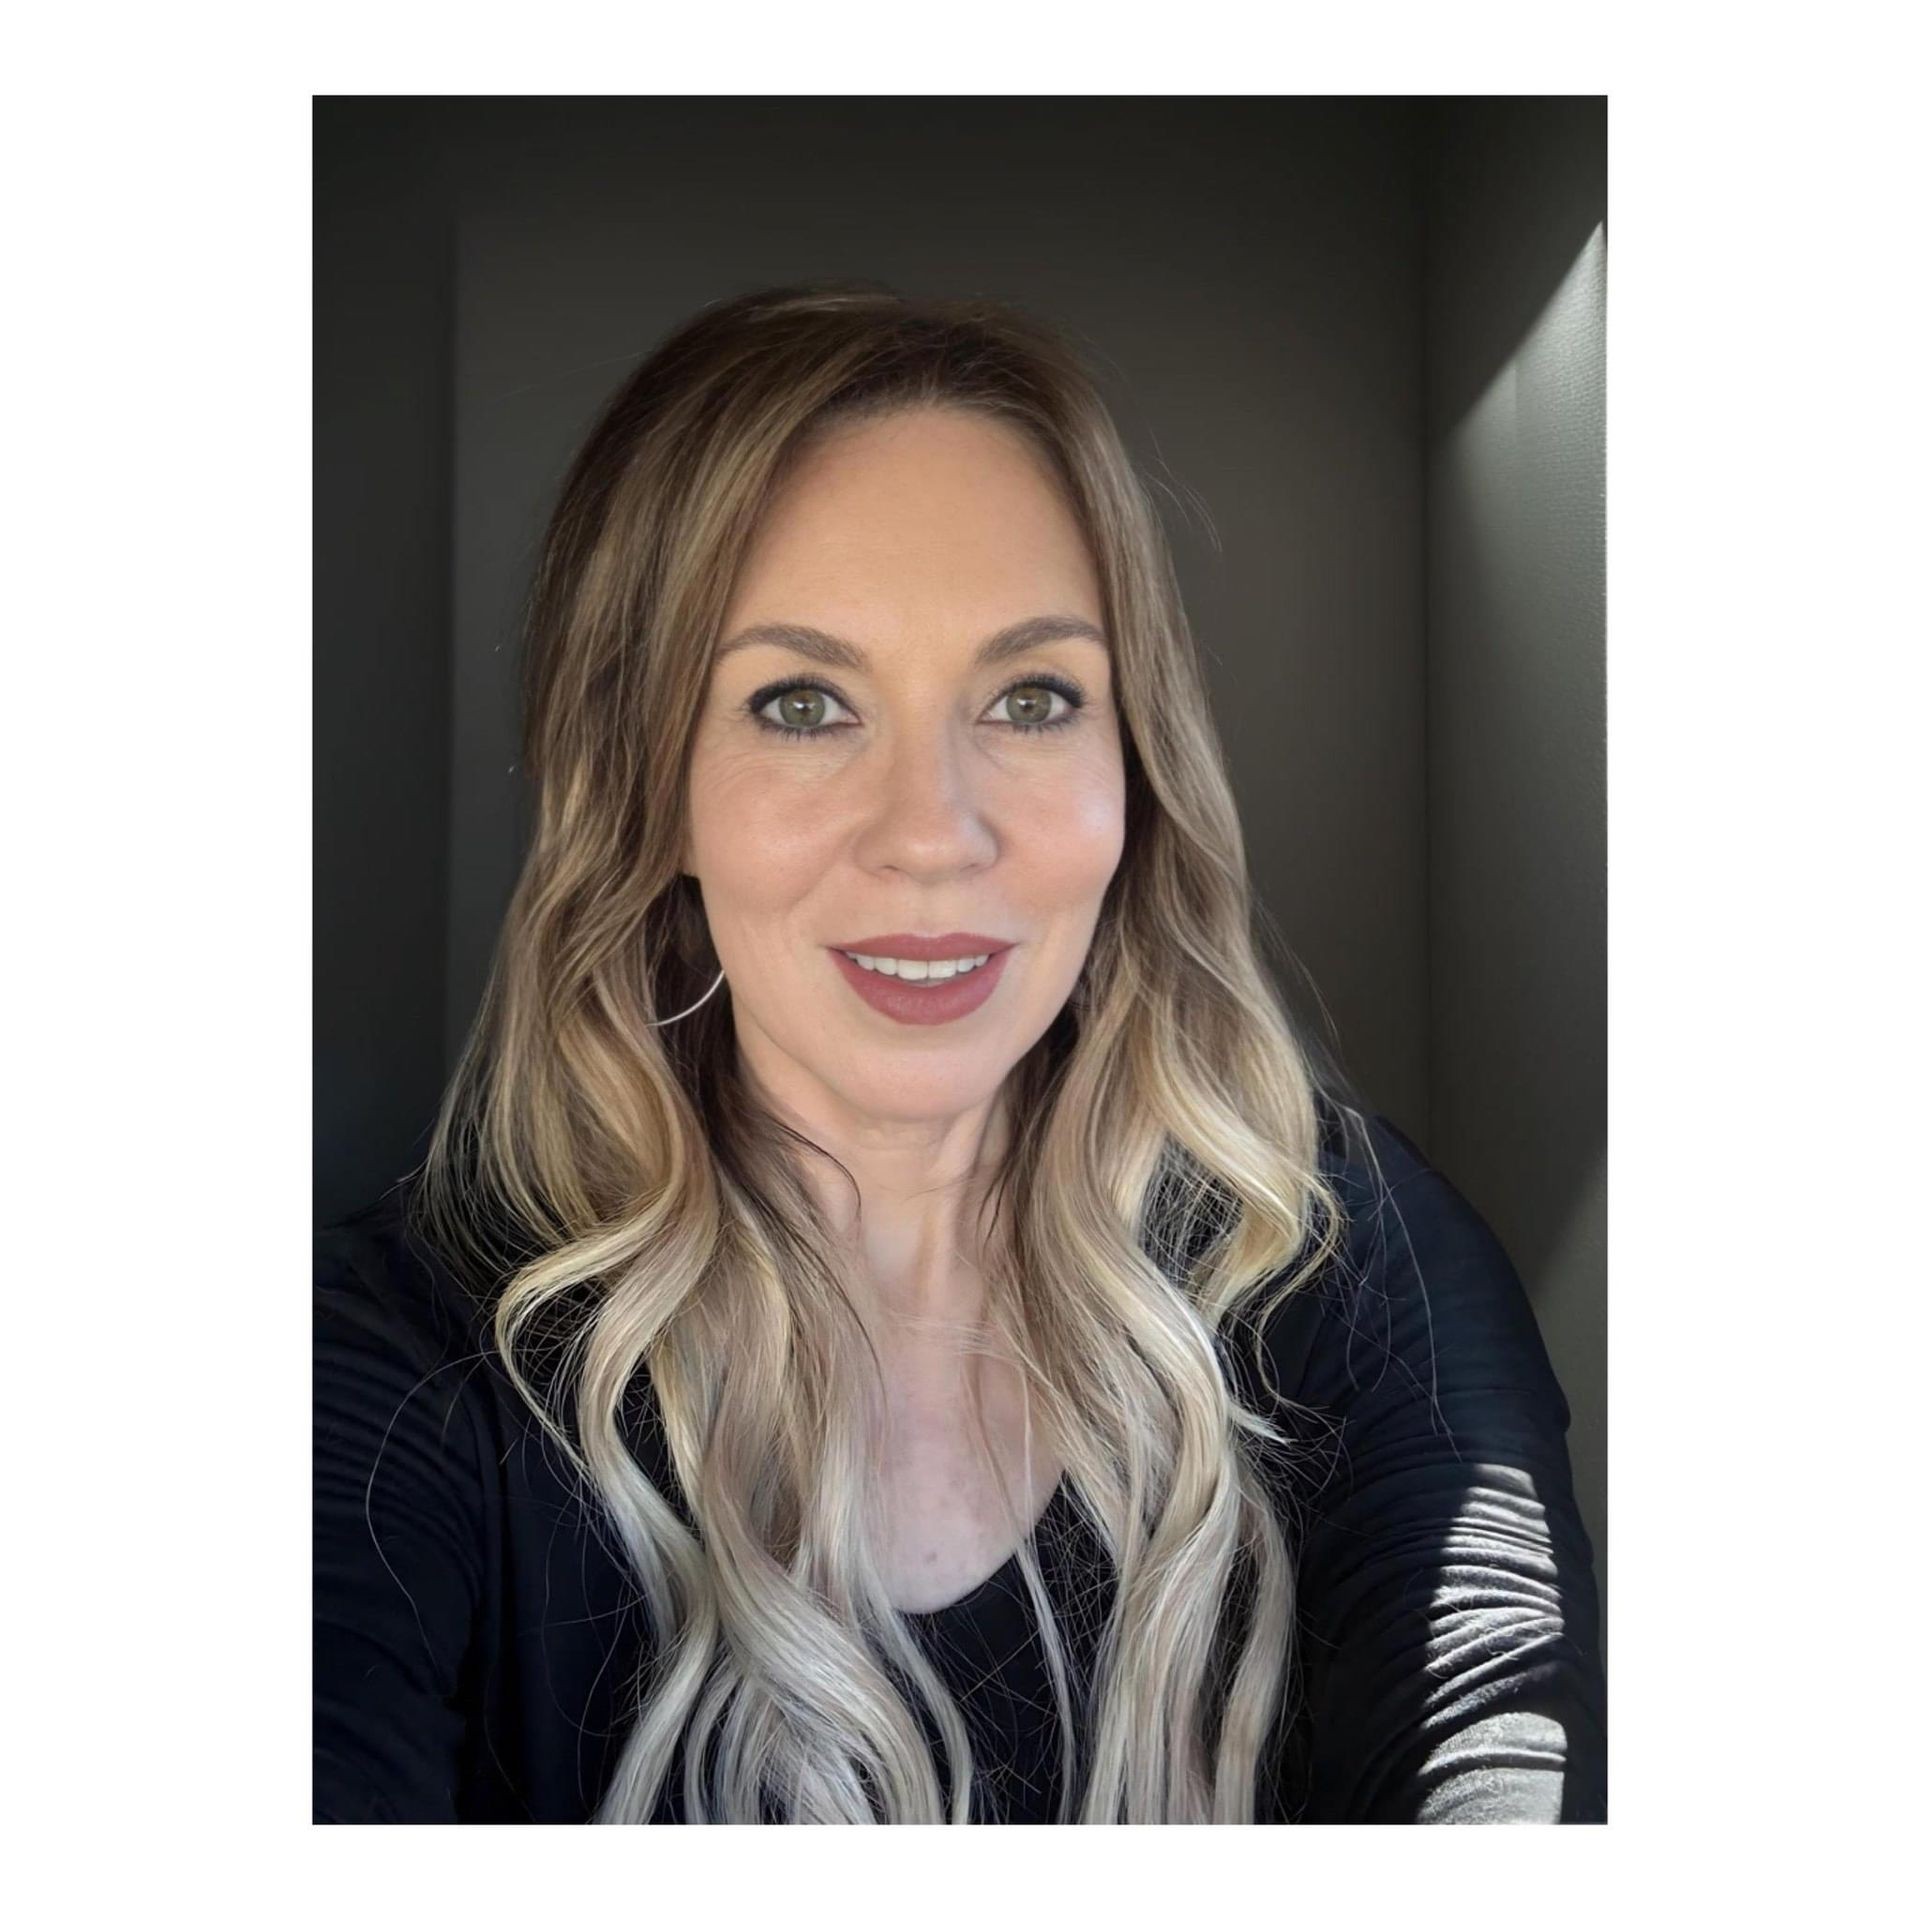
<point x="477" y="1642"/>
<point x="1449" y="1618"/>
<point x="398" y="1558"/>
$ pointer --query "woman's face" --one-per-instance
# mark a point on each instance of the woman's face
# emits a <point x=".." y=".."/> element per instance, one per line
<point x="904" y="797"/>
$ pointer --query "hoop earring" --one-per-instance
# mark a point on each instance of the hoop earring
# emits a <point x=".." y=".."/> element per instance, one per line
<point x="697" y="1005"/>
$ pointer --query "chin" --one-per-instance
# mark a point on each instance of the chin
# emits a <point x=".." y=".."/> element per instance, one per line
<point x="928" y="1090"/>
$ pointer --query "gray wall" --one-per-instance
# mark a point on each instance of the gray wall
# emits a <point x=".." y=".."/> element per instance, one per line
<point x="1516" y="689"/>
<point x="382" y="436"/>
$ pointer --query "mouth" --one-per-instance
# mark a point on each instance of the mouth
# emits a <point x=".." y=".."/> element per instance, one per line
<point x="922" y="993"/>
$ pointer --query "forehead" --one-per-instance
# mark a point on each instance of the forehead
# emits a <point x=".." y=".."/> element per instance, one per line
<point x="899" y="517"/>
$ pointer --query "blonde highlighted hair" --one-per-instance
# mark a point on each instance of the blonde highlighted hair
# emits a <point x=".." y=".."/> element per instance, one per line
<point x="1162" y="1186"/>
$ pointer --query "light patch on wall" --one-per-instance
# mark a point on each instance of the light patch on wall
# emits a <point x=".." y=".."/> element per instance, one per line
<point x="1558" y="348"/>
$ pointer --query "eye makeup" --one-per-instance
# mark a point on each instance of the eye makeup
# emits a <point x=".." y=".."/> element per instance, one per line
<point x="1054" y="682"/>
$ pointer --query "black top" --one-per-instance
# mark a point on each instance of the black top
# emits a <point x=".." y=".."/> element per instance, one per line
<point x="476" y="1637"/>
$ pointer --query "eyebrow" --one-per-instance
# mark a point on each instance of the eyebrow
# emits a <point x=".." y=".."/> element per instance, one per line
<point x="828" y="650"/>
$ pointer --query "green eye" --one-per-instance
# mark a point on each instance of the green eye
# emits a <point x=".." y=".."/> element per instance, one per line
<point x="1032" y="697"/>
<point x="801" y="709"/>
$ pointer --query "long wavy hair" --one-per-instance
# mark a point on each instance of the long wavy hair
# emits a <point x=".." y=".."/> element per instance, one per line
<point x="1161" y="1188"/>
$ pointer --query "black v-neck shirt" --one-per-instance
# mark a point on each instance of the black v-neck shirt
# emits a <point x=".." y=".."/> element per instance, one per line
<point x="477" y="1638"/>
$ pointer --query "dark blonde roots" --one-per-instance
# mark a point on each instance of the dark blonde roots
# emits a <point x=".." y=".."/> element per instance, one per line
<point x="1164" y="1179"/>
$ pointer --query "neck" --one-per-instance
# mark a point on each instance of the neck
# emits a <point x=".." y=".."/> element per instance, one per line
<point x="912" y="1216"/>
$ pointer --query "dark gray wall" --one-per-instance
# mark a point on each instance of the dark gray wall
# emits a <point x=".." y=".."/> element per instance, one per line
<point x="382" y="470"/>
<point x="1516" y="678"/>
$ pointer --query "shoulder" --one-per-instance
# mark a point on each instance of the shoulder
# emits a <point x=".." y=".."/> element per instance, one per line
<point x="1383" y="1176"/>
<point x="402" y="1330"/>
<point x="402" y="1345"/>
<point x="1420" y="1291"/>
<point x="372" y="1269"/>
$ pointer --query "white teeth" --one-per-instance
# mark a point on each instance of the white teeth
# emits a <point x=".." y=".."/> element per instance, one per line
<point x="926" y="972"/>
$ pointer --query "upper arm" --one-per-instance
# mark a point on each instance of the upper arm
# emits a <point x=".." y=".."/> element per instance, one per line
<point x="397" y="1566"/>
<point x="1448" y="1609"/>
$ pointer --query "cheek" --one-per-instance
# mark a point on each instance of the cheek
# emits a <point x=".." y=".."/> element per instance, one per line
<point x="750" y="839"/>
<point x="1077" y="835"/>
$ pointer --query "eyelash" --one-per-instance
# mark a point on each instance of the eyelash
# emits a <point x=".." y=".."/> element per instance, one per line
<point x="1064" y="688"/>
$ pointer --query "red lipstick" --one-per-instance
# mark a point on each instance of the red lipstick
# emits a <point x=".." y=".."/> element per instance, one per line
<point x="923" y="946"/>
<point x="912" y="1003"/>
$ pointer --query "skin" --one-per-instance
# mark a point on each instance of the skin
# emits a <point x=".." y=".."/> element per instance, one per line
<point x="915" y="538"/>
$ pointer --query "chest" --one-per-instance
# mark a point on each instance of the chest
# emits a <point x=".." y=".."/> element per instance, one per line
<point x="945" y="1524"/>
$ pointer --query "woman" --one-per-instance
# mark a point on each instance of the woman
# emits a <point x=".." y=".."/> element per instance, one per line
<point x="892" y="1325"/>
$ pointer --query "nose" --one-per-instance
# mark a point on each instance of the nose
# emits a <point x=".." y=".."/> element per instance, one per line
<point x="929" y="811"/>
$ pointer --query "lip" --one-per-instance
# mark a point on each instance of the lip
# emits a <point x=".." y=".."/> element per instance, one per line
<point x="916" y="1006"/>
<point x="923" y="946"/>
